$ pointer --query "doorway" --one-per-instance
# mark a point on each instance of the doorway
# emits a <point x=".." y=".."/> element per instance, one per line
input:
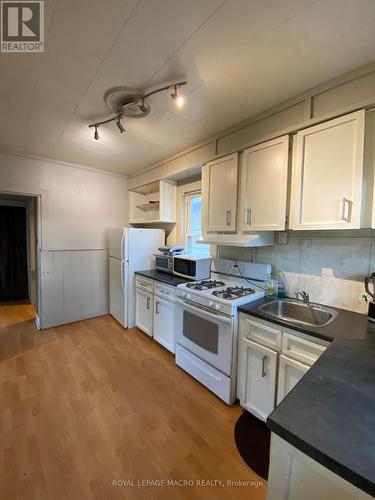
<point x="18" y="259"/>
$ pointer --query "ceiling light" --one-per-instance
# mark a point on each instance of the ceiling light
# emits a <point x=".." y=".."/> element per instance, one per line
<point x="119" y="124"/>
<point x="178" y="99"/>
<point x="96" y="133"/>
<point x="135" y="105"/>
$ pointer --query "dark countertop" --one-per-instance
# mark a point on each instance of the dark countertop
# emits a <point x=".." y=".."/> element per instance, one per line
<point x="168" y="279"/>
<point x="330" y="413"/>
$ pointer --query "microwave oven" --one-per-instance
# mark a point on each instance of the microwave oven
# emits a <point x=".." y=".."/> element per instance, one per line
<point x="192" y="267"/>
<point x="164" y="263"/>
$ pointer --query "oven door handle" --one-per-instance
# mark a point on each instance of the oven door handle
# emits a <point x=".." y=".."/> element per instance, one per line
<point x="196" y="309"/>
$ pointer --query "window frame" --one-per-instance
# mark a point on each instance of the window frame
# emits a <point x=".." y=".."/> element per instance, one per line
<point x="187" y="220"/>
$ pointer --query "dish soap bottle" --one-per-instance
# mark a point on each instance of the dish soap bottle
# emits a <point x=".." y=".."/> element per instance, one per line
<point x="281" y="286"/>
<point x="271" y="286"/>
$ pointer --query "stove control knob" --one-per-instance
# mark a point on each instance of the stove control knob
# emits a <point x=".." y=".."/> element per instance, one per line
<point x="183" y="294"/>
<point x="188" y="296"/>
<point x="211" y="304"/>
<point x="217" y="307"/>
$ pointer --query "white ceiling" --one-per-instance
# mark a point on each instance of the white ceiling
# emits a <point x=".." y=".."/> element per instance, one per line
<point x="238" y="56"/>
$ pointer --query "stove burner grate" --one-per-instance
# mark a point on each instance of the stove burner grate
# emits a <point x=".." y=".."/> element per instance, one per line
<point x="233" y="292"/>
<point x="204" y="284"/>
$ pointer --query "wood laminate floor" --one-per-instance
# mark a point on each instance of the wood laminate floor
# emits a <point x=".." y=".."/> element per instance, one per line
<point x="95" y="403"/>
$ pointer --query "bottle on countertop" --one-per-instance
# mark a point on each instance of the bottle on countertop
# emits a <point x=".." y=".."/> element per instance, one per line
<point x="271" y="286"/>
<point x="281" y="285"/>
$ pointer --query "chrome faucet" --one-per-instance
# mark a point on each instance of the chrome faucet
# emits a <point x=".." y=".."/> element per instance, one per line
<point x="305" y="297"/>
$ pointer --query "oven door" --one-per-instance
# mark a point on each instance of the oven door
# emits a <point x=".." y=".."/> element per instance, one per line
<point x="206" y="334"/>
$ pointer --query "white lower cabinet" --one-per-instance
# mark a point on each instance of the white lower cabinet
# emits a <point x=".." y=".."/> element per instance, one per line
<point x="144" y="311"/>
<point x="155" y="311"/>
<point x="270" y="363"/>
<point x="164" y="332"/>
<point x="295" y="476"/>
<point x="290" y="372"/>
<point x="257" y="373"/>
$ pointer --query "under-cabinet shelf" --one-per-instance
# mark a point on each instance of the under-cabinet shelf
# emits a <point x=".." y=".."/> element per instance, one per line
<point x="150" y="205"/>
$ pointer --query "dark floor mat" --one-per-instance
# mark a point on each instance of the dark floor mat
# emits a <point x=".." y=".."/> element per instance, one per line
<point x="253" y="443"/>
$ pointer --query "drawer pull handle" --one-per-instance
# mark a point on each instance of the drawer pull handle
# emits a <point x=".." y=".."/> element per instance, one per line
<point x="229" y="217"/>
<point x="264" y="361"/>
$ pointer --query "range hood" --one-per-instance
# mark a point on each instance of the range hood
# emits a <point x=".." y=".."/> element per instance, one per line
<point x="239" y="240"/>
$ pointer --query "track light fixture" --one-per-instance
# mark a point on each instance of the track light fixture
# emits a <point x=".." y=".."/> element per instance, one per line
<point x="119" y="124"/>
<point x="135" y="105"/>
<point x="96" y="133"/>
<point x="178" y="99"/>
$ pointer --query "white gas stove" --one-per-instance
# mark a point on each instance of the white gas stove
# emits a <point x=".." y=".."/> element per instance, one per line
<point x="206" y="322"/>
<point x="218" y="295"/>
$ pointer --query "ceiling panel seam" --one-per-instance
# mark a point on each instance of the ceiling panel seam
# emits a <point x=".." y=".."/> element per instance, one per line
<point x="95" y="75"/>
<point x="186" y="40"/>
<point x="37" y="79"/>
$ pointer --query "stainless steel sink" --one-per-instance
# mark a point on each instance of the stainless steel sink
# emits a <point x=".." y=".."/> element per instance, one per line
<point x="295" y="311"/>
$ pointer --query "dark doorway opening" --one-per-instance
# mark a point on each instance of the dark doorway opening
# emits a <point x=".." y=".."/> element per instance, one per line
<point x="13" y="254"/>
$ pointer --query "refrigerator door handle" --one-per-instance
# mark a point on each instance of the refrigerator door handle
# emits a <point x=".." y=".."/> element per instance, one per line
<point x="122" y="275"/>
<point x="122" y="247"/>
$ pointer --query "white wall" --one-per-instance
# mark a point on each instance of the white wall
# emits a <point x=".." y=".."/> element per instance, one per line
<point x="78" y="205"/>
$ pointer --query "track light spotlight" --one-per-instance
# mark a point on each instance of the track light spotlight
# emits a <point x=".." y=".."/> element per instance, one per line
<point x="178" y="99"/>
<point x="96" y="133"/>
<point x="119" y="124"/>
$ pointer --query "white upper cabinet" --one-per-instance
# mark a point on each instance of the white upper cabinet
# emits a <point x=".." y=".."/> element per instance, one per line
<point x="219" y="193"/>
<point x="153" y="203"/>
<point x="264" y="185"/>
<point x="327" y="174"/>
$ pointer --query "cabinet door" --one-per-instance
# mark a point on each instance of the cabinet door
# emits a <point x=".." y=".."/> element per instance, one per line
<point x="164" y="323"/>
<point x="264" y="184"/>
<point x="327" y="175"/>
<point x="257" y="378"/>
<point x="144" y="311"/>
<point x="290" y="372"/>
<point x="219" y="194"/>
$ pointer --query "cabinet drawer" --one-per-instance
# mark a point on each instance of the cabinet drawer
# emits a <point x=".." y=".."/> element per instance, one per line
<point x="263" y="334"/>
<point x="144" y="283"/>
<point x="301" y="349"/>
<point x="165" y="291"/>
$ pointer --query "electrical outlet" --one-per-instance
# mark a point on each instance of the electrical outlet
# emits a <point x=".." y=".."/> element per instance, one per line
<point x="283" y="238"/>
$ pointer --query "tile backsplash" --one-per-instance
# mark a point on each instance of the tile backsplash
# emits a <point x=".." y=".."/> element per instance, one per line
<point x="331" y="269"/>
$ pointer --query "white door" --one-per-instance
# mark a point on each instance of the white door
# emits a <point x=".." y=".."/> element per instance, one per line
<point x="327" y="175"/>
<point x="164" y="323"/>
<point x="290" y="372"/>
<point x="144" y="311"/>
<point x="264" y="184"/>
<point x="219" y="194"/>
<point x="257" y="378"/>
<point x="117" y="293"/>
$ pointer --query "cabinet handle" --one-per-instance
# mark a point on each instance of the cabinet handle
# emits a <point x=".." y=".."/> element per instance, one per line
<point x="264" y="361"/>
<point x="249" y="216"/>
<point x="157" y="307"/>
<point x="346" y="205"/>
<point x="148" y="302"/>
<point x="229" y="217"/>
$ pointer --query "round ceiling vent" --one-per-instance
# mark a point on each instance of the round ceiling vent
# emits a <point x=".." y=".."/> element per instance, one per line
<point x="127" y="102"/>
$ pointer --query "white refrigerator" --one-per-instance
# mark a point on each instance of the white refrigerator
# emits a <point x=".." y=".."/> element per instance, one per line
<point x="130" y="250"/>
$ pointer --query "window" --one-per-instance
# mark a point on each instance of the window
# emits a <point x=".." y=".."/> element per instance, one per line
<point x="193" y="227"/>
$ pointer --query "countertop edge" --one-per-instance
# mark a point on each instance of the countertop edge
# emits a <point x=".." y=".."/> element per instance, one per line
<point x="324" y="460"/>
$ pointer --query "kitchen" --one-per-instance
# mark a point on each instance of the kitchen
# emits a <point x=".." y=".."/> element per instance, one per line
<point x="198" y="320"/>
